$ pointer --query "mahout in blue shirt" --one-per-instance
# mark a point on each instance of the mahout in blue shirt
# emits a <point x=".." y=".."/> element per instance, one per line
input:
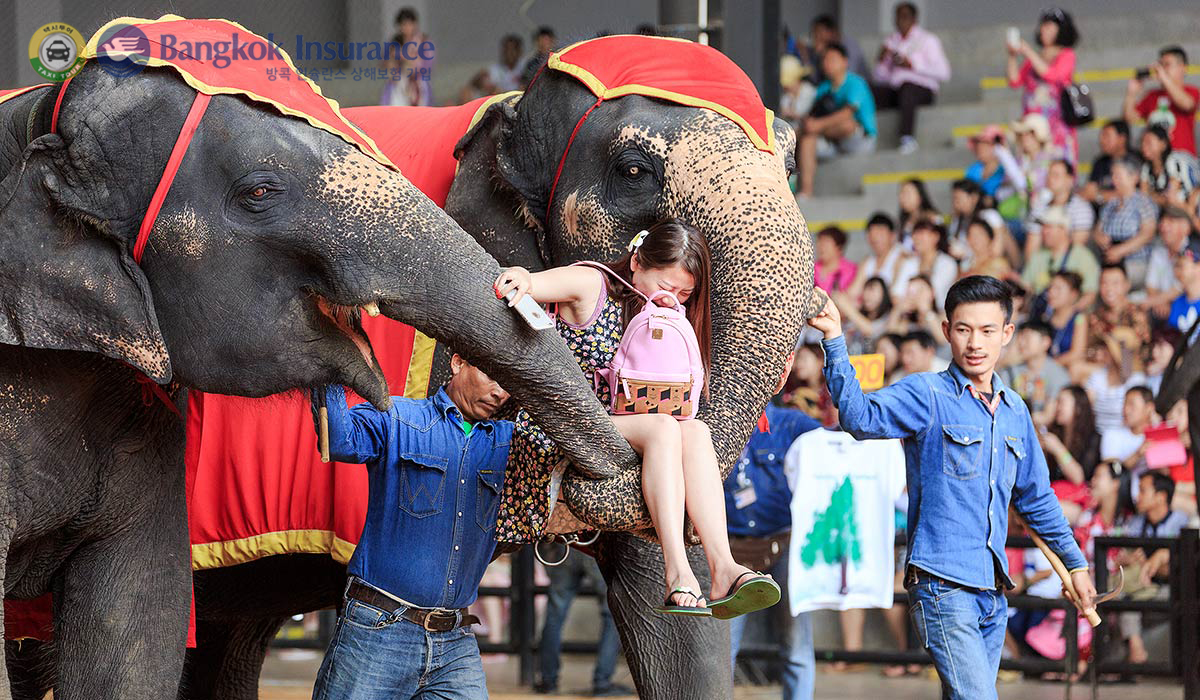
<point x="434" y="489"/>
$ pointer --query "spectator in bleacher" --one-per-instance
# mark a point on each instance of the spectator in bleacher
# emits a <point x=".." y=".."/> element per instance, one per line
<point x="1034" y="151"/>
<point x="916" y="309"/>
<point x="1108" y="381"/>
<point x="805" y="387"/>
<point x="930" y="243"/>
<point x="1127" y="221"/>
<point x="1174" y="231"/>
<point x="983" y="257"/>
<point x="505" y="74"/>
<point x="1063" y="315"/>
<point x="1183" y="474"/>
<point x="842" y="119"/>
<point x="1059" y="253"/>
<point x="1168" y="176"/>
<point x="1148" y="567"/>
<point x="886" y="254"/>
<point x="866" y="321"/>
<point x="967" y="203"/>
<point x="544" y="43"/>
<point x="1045" y="73"/>
<point x="796" y="95"/>
<point x="987" y="169"/>
<point x="1115" y="316"/>
<point x="833" y="271"/>
<point x="823" y="32"/>
<point x="418" y="89"/>
<point x="1037" y="378"/>
<point x="1173" y="104"/>
<point x="914" y="204"/>
<point x="1156" y="356"/>
<point x="1114" y="143"/>
<point x="1036" y="579"/>
<point x="918" y="353"/>
<point x="1060" y="192"/>
<point x="1127" y="443"/>
<point x="908" y="72"/>
<point x="1186" y="307"/>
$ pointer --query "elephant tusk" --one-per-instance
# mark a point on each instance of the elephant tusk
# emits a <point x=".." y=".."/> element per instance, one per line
<point x="372" y="309"/>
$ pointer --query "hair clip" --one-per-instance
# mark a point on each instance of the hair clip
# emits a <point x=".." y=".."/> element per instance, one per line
<point x="637" y="240"/>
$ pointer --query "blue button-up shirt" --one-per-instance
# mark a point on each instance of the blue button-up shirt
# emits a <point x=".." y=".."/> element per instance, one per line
<point x="761" y="466"/>
<point x="434" y="492"/>
<point x="965" y="466"/>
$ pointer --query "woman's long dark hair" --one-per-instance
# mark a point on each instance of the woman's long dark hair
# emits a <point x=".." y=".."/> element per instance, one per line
<point x="925" y="207"/>
<point x="1076" y="435"/>
<point x="885" y="304"/>
<point x="672" y="242"/>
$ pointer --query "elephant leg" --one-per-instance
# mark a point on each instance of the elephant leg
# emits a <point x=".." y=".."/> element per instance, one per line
<point x="669" y="656"/>
<point x="228" y="658"/>
<point x="121" y="610"/>
<point x="30" y="667"/>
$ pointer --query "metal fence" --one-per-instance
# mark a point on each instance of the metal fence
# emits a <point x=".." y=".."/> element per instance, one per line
<point x="1182" y="608"/>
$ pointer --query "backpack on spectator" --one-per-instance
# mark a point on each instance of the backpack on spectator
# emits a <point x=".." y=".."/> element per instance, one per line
<point x="657" y="367"/>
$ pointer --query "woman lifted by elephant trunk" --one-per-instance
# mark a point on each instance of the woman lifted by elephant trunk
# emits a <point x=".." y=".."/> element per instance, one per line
<point x="667" y="264"/>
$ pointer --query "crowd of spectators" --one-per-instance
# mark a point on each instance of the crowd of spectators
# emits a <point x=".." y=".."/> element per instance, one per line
<point x="1107" y="270"/>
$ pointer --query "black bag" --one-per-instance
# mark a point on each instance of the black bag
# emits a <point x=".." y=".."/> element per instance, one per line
<point x="824" y="107"/>
<point x="1076" y="104"/>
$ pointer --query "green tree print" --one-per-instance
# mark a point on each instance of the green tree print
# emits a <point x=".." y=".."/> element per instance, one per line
<point x="834" y="534"/>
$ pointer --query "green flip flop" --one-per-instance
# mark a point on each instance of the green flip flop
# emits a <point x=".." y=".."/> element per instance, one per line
<point x="670" y="608"/>
<point x="747" y="596"/>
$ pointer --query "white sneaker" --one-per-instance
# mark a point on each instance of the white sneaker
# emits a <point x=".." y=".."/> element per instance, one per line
<point x="908" y="145"/>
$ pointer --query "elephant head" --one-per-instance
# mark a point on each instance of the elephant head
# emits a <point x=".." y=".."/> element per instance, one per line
<point x="272" y="237"/>
<point x="633" y="161"/>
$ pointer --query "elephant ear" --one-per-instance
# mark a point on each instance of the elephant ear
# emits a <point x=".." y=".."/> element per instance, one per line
<point x="522" y="164"/>
<point x="68" y="282"/>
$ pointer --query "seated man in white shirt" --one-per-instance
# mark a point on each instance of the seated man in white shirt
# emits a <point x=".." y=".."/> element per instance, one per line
<point x="1128" y="443"/>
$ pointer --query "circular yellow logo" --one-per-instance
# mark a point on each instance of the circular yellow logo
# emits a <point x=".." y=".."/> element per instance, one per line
<point x="56" y="51"/>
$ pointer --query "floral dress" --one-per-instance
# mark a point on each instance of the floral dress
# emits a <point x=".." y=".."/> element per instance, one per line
<point x="529" y="486"/>
<point x="1043" y="95"/>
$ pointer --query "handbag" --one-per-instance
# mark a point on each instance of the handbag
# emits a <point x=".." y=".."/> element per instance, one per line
<point x="1076" y="104"/>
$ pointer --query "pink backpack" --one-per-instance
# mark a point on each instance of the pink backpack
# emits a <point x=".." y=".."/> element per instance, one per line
<point x="657" y="367"/>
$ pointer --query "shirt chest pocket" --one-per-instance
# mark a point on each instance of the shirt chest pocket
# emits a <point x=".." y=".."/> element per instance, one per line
<point x="487" y="499"/>
<point x="768" y="459"/>
<point x="962" y="450"/>
<point x="423" y="484"/>
<point x="1014" y="454"/>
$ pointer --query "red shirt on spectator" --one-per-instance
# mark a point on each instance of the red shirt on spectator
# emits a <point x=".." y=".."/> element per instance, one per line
<point x="1183" y="133"/>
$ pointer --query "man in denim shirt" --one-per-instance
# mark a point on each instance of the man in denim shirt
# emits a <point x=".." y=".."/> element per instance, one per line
<point x="971" y="451"/>
<point x="435" y="468"/>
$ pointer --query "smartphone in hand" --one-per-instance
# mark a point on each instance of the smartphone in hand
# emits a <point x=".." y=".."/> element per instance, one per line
<point x="1014" y="37"/>
<point x="534" y="315"/>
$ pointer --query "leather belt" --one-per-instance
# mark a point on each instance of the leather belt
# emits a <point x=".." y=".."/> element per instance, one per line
<point x="431" y="619"/>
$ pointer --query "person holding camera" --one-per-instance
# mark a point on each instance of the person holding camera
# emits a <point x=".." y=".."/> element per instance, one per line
<point x="1045" y="73"/>
<point x="908" y="72"/>
<point x="1172" y="104"/>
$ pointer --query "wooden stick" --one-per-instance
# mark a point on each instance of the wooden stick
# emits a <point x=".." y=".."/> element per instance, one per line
<point x="1061" y="569"/>
<point x="322" y="426"/>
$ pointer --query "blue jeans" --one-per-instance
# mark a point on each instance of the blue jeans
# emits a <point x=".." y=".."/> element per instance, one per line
<point x="380" y="656"/>
<point x="565" y="581"/>
<point x="800" y="664"/>
<point x="963" y="630"/>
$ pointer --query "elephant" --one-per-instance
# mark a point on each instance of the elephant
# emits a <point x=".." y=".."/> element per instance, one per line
<point x="271" y="240"/>
<point x="635" y="160"/>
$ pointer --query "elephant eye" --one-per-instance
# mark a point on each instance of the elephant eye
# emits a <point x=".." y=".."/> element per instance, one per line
<point x="259" y="192"/>
<point x="633" y="171"/>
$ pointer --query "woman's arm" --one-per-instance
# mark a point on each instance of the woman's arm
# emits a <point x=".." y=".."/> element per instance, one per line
<point x="575" y="286"/>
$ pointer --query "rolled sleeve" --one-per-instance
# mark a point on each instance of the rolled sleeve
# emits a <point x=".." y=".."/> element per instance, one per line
<point x="356" y="435"/>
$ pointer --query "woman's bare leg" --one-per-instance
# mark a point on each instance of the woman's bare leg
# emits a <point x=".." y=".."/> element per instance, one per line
<point x="657" y="439"/>
<point x="705" y="502"/>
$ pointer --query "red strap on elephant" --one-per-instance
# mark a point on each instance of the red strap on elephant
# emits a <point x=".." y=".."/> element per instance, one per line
<point x="190" y="124"/>
<point x="562" y="161"/>
<point x="164" y="184"/>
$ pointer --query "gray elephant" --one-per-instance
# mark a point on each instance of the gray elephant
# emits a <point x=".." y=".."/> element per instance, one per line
<point x="272" y="236"/>
<point x="633" y="161"/>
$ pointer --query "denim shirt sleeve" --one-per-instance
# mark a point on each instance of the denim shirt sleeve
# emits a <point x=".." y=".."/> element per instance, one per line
<point x="902" y="410"/>
<point x="356" y="435"/>
<point x="1035" y="501"/>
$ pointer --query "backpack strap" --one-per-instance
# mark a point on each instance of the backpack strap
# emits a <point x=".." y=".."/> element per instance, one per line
<point x="606" y="269"/>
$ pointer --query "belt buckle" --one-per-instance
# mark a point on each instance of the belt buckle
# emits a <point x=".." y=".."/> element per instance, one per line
<point x="433" y="617"/>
